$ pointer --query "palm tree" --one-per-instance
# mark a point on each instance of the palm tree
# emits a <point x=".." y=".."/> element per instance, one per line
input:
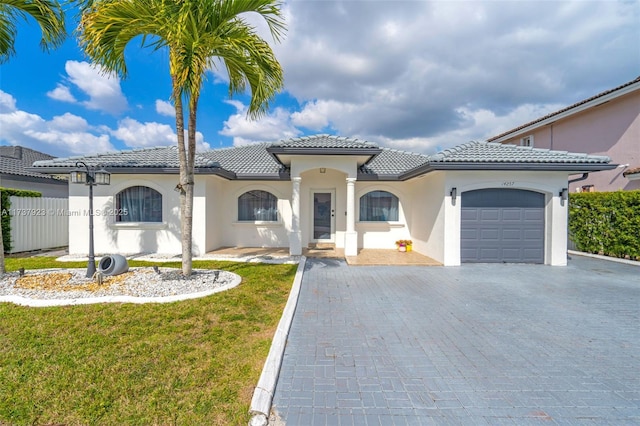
<point x="47" y="13"/>
<point x="49" y="16"/>
<point x="194" y="33"/>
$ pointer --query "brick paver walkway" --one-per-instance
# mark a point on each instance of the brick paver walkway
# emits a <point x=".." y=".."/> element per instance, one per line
<point x="477" y="344"/>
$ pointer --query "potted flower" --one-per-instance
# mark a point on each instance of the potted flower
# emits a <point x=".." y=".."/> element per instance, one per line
<point x="409" y="244"/>
<point x="404" y="245"/>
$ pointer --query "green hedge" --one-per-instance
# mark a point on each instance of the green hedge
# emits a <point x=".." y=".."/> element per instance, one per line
<point x="5" y="209"/>
<point x="606" y="223"/>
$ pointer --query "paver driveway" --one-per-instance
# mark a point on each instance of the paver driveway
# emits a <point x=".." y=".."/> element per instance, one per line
<point x="477" y="344"/>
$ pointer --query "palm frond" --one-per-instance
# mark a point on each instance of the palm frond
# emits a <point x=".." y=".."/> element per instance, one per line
<point x="48" y="14"/>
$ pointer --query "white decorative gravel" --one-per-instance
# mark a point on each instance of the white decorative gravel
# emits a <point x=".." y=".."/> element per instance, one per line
<point x="140" y="285"/>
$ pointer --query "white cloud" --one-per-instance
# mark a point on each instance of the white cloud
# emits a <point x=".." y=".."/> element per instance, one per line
<point x="136" y="134"/>
<point x="7" y="102"/>
<point x="103" y="90"/>
<point x="62" y="93"/>
<point x="143" y="135"/>
<point x="69" y="134"/>
<point x="314" y="116"/>
<point x="275" y="126"/>
<point x="69" y="122"/>
<point x="165" y="108"/>
<point x="62" y="136"/>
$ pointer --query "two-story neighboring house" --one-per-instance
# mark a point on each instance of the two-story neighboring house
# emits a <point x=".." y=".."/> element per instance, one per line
<point x="605" y="124"/>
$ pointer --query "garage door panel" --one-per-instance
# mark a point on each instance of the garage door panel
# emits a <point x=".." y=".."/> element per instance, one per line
<point x="469" y="253"/>
<point x="487" y="215"/>
<point x="511" y="255"/>
<point x="489" y="234"/>
<point x="512" y="215"/>
<point x="533" y="235"/>
<point x="512" y="234"/>
<point x="533" y="214"/>
<point x="469" y="215"/>
<point x="502" y="225"/>
<point x="491" y="254"/>
<point x="469" y="234"/>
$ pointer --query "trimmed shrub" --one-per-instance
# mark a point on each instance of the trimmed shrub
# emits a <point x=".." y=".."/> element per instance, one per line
<point x="5" y="209"/>
<point x="606" y="223"/>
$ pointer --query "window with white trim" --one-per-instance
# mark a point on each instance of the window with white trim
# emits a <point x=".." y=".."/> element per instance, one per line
<point x="258" y="206"/>
<point x="138" y="204"/>
<point x="379" y="206"/>
<point x="527" y="141"/>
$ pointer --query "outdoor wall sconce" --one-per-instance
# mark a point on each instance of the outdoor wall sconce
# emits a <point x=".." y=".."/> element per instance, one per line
<point x="91" y="177"/>
<point x="564" y="194"/>
<point x="323" y="170"/>
<point x="454" y="194"/>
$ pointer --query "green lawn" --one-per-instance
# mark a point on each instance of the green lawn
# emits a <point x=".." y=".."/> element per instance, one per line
<point x="184" y="363"/>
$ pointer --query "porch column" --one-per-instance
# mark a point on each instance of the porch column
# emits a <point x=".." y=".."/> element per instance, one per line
<point x="351" y="236"/>
<point x="295" y="236"/>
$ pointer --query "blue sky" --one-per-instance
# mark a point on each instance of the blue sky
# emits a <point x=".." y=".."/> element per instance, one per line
<point x="412" y="75"/>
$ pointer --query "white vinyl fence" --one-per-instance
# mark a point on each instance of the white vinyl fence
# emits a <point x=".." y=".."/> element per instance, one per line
<point x="38" y="223"/>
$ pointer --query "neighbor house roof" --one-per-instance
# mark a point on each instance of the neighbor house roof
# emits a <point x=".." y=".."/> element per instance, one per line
<point x="14" y="160"/>
<point x="598" y="99"/>
<point x="257" y="161"/>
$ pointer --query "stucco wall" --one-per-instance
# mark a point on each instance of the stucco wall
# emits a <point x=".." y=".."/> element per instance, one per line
<point x="611" y="129"/>
<point x="426" y="223"/>
<point x="251" y="234"/>
<point x="215" y="207"/>
<point x="383" y="235"/>
<point x="128" y="238"/>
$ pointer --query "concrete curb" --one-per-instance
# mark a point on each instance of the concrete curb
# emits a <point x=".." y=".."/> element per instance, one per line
<point x="41" y="303"/>
<point x="263" y="393"/>
<point x="601" y="257"/>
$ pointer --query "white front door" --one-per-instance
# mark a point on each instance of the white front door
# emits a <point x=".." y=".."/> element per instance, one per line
<point x="323" y="213"/>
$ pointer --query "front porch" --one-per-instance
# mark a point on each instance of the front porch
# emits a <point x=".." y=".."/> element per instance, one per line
<point x="365" y="257"/>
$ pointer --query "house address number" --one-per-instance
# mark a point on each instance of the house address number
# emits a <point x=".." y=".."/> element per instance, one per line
<point x="508" y="183"/>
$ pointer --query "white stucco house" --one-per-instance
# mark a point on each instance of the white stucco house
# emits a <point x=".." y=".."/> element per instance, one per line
<point x="478" y="202"/>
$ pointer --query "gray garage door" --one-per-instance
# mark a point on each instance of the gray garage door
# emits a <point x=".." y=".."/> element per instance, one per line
<point x="502" y="225"/>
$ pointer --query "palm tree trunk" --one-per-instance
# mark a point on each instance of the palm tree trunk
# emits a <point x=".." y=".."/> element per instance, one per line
<point x="187" y="225"/>
<point x="186" y="188"/>
<point x="2" y="268"/>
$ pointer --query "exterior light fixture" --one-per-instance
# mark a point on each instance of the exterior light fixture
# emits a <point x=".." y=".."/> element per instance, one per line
<point x="564" y="194"/>
<point x="78" y="176"/>
<point x="102" y="177"/>
<point x="454" y="194"/>
<point x="90" y="177"/>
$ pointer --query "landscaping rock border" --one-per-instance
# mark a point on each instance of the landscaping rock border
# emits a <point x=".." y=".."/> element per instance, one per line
<point x="144" y="285"/>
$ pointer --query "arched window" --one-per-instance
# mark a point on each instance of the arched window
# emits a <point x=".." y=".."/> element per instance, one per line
<point x="138" y="204"/>
<point x="258" y="206"/>
<point x="378" y="206"/>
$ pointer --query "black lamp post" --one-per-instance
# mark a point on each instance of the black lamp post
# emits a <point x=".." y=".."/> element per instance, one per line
<point x="91" y="178"/>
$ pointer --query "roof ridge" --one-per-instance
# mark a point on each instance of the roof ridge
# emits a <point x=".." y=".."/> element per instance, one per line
<point x="458" y="148"/>
<point x="230" y="148"/>
<point x="106" y="153"/>
<point x="402" y="151"/>
<point x="327" y="136"/>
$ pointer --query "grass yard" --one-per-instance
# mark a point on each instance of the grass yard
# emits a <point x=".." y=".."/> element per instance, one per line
<point x="183" y="363"/>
